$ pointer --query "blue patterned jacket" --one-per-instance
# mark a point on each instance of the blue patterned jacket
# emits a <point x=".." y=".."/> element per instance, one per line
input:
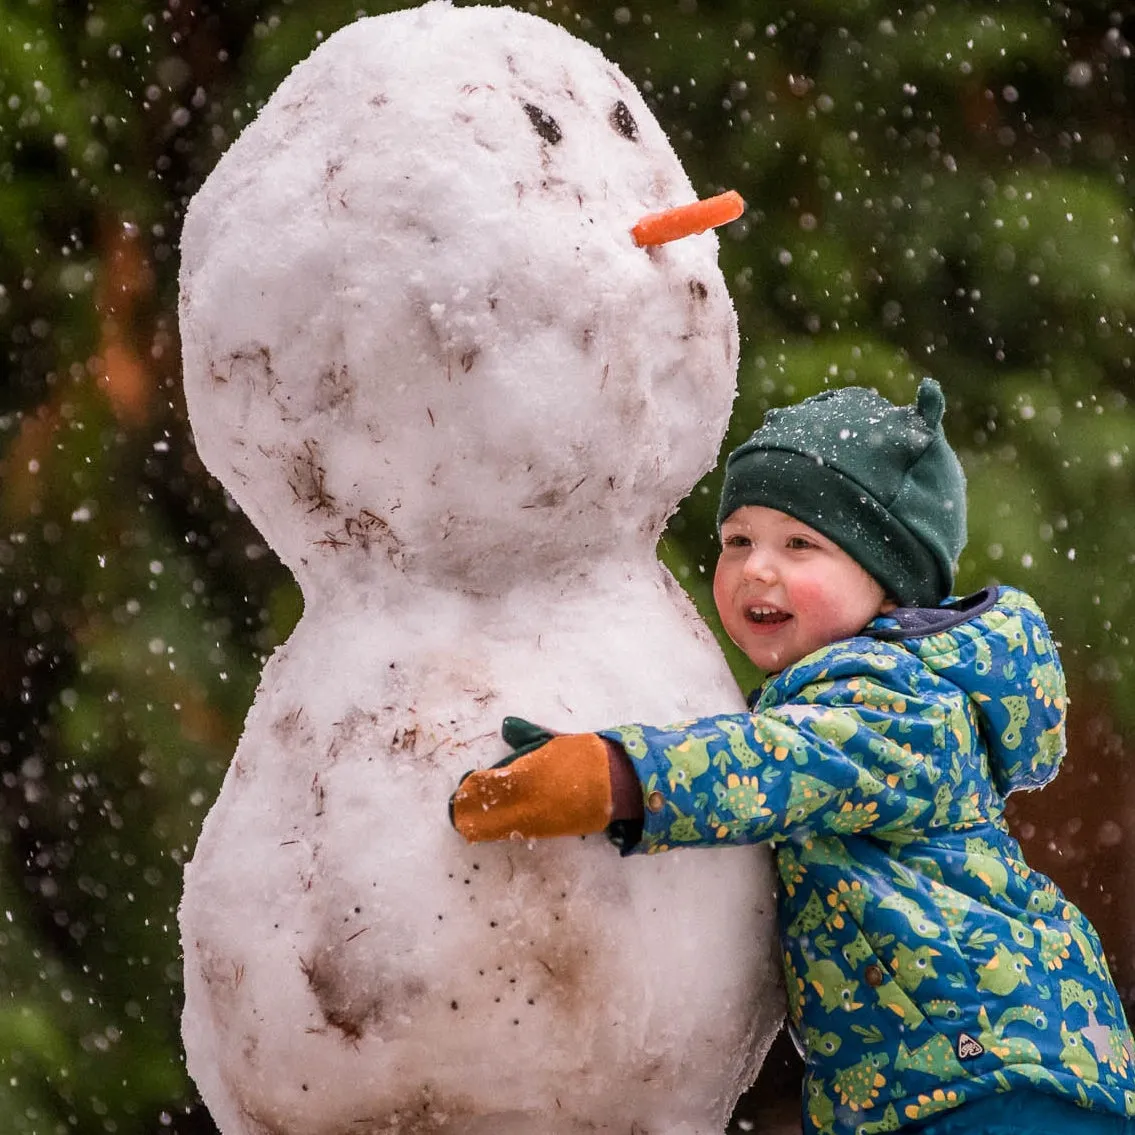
<point x="926" y="964"/>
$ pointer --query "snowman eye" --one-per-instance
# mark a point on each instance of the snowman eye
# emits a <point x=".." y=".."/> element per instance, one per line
<point x="623" y="121"/>
<point x="544" y="124"/>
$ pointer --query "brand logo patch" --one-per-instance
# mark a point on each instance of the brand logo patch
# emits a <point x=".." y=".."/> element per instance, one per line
<point x="969" y="1047"/>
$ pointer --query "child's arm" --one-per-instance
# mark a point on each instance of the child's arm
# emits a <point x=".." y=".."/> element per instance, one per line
<point x="846" y="754"/>
<point x="748" y="778"/>
<point x="854" y="742"/>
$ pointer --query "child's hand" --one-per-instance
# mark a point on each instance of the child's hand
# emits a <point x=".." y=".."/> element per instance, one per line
<point x="550" y="785"/>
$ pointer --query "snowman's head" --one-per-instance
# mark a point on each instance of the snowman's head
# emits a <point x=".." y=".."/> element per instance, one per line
<point x="417" y="333"/>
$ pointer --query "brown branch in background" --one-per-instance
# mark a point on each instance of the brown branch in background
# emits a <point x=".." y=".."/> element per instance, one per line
<point x="127" y="283"/>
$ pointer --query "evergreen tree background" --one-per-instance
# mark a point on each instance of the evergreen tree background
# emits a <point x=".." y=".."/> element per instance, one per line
<point x="940" y="189"/>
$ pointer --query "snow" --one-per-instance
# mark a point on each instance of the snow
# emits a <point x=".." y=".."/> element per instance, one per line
<point x="424" y="355"/>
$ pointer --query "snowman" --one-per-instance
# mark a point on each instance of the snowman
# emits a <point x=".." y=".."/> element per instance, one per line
<point x="426" y="356"/>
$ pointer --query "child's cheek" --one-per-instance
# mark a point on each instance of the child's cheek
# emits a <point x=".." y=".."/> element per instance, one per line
<point x="817" y="607"/>
<point x="721" y="586"/>
<point x="812" y="598"/>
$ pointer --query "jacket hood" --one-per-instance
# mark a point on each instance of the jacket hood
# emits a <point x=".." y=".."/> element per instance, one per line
<point x="996" y="646"/>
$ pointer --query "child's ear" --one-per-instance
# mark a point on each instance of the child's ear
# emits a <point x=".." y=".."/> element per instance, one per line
<point x="888" y="606"/>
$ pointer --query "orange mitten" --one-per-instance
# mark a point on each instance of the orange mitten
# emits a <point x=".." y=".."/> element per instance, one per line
<point x="555" y="786"/>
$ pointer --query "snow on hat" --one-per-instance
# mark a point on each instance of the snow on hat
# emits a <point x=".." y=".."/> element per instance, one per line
<point x="879" y="480"/>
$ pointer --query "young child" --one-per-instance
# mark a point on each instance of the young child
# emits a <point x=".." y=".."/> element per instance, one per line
<point x="935" y="983"/>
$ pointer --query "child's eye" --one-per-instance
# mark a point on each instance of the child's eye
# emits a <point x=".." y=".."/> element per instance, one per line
<point x="736" y="540"/>
<point x="799" y="543"/>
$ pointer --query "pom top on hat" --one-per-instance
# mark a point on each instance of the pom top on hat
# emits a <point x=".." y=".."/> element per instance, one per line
<point x="879" y="480"/>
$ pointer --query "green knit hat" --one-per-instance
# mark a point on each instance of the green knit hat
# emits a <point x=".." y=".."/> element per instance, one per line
<point x="879" y="480"/>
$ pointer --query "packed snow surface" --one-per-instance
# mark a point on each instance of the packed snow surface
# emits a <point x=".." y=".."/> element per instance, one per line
<point x="424" y="355"/>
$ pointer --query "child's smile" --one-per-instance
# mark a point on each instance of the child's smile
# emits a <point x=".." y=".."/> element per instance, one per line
<point x="784" y="590"/>
<point x="767" y="616"/>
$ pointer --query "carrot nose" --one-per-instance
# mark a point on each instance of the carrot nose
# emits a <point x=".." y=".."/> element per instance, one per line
<point x="687" y="220"/>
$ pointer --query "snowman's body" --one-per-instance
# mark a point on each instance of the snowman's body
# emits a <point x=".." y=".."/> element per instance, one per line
<point x="425" y="357"/>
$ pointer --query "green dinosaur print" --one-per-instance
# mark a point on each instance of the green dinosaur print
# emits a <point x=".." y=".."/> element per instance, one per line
<point x="974" y="635"/>
<point x="1076" y="1057"/>
<point x="810" y="918"/>
<point x="1049" y="747"/>
<point x="1118" y="1055"/>
<point x="943" y="798"/>
<point x="962" y="726"/>
<point x="1022" y="935"/>
<point x="902" y="875"/>
<point x="939" y="1099"/>
<point x="683" y="829"/>
<point x="982" y="863"/>
<point x="1017" y="706"/>
<point x="1037" y="1075"/>
<point x="1012" y="630"/>
<point x="859" y="1085"/>
<point x="904" y="828"/>
<point x="821" y="1110"/>
<point x="791" y="871"/>
<point x="880" y="661"/>
<point x="936" y="1058"/>
<point x="1011" y="1049"/>
<point x="743" y="753"/>
<point x="742" y="796"/>
<point x="926" y="867"/>
<point x="808" y="794"/>
<point x="794" y="989"/>
<point x="835" y="726"/>
<point x="909" y="769"/>
<point x="1003" y="972"/>
<point x="782" y="741"/>
<point x="1047" y="683"/>
<point x="851" y="897"/>
<point x="912" y="912"/>
<point x="1087" y="954"/>
<point x="940" y="651"/>
<point x="969" y="804"/>
<point x="852" y="818"/>
<point x="836" y="989"/>
<point x="826" y="852"/>
<point x="633" y="740"/>
<point x="933" y="717"/>
<point x="942" y="1008"/>
<point x="857" y="951"/>
<point x="912" y="966"/>
<point x="1073" y="993"/>
<point x="872" y="696"/>
<point x="688" y="760"/>
<point x="827" y="1044"/>
<point x="890" y="995"/>
<point x="1054" y="944"/>
<point x="867" y="782"/>
<point x="1042" y="900"/>
<point x="889" y="1122"/>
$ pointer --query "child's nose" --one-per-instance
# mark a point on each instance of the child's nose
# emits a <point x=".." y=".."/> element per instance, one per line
<point x="759" y="565"/>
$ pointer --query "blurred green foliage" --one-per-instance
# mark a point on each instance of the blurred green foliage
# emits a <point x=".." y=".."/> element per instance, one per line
<point x="944" y="189"/>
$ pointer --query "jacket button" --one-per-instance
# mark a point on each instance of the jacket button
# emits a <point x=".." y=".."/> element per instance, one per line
<point x="873" y="975"/>
<point x="656" y="801"/>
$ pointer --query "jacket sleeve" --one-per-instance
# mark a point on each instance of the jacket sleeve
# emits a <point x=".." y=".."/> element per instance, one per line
<point x="849" y="749"/>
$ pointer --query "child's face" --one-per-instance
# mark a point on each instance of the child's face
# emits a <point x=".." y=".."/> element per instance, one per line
<point x="783" y="589"/>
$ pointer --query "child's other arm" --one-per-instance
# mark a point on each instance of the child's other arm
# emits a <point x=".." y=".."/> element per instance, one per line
<point x="747" y="778"/>
<point x="844" y="755"/>
<point x="841" y="757"/>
